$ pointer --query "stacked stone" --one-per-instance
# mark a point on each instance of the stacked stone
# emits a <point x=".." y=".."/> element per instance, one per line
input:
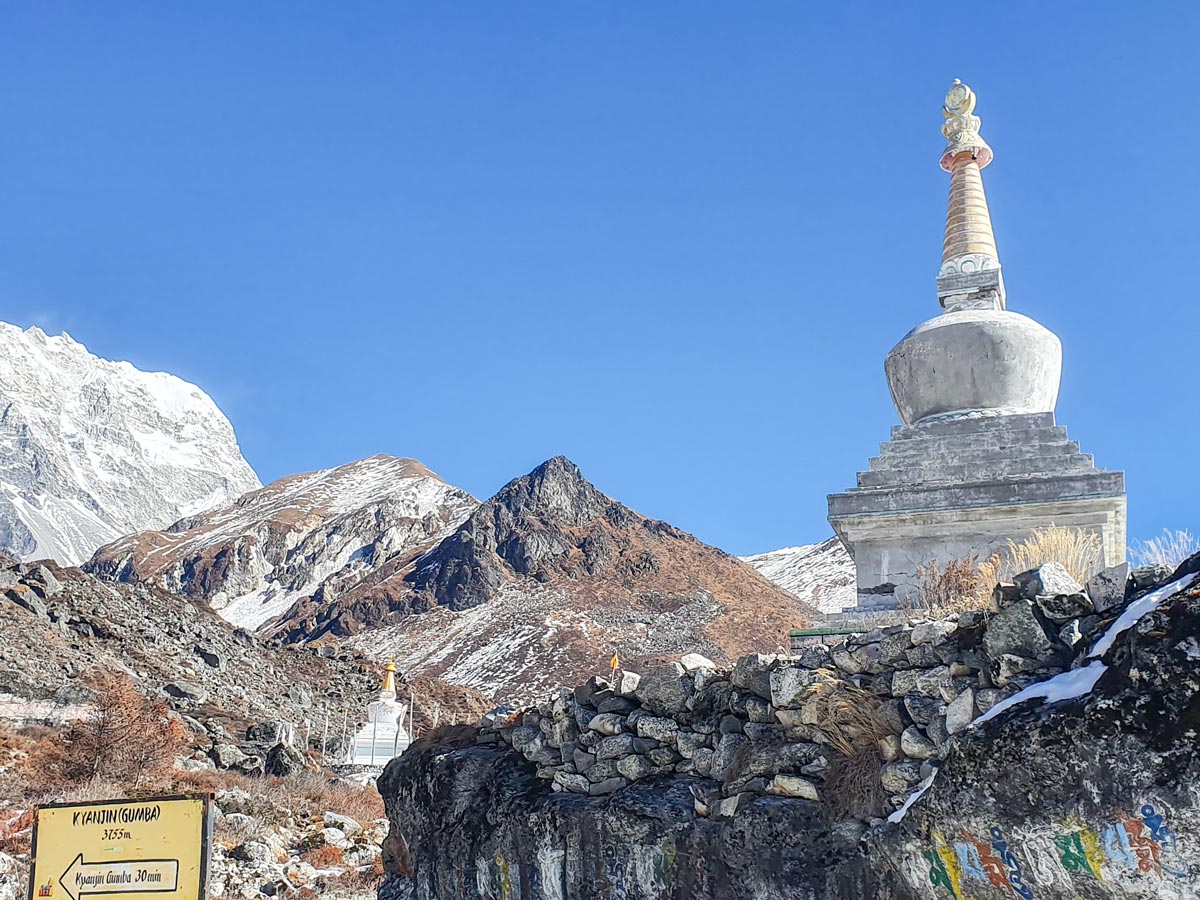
<point x="759" y="728"/>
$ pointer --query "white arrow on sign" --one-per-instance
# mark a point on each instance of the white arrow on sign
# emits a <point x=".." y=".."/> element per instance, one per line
<point x="135" y="876"/>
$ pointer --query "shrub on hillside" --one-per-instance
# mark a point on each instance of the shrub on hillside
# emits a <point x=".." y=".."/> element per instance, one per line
<point x="126" y="737"/>
<point x="324" y="857"/>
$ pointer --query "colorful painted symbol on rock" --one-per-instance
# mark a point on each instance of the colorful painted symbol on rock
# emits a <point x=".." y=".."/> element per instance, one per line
<point x="615" y="870"/>
<point x="1137" y="846"/>
<point x="1080" y="851"/>
<point x="664" y="867"/>
<point x="944" y="868"/>
<point x="1016" y="878"/>
<point x="1169" y="859"/>
<point x="506" y="880"/>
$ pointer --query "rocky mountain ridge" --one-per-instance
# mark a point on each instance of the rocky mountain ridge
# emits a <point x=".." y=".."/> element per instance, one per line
<point x="545" y="581"/>
<point x="91" y="450"/>
<point x="62" y="626"/>
<point x="314" y="535"/>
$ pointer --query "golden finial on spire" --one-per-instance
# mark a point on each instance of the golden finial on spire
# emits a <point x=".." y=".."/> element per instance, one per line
<point x="961" y="128"/>
<point x="389" y="679"/>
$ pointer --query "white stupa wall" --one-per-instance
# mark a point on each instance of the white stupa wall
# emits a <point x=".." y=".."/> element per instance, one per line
<point x="384" y="736"/>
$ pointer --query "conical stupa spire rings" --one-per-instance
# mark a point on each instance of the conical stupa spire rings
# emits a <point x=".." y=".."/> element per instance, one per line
<point x="970" y="245"/>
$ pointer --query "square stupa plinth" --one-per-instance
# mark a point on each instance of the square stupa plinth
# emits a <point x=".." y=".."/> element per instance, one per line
<point x="941" y="490"/>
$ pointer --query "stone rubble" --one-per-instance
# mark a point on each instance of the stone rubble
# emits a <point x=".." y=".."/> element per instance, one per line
<point x="260" y="849"/>
<point x="269" y="861"/>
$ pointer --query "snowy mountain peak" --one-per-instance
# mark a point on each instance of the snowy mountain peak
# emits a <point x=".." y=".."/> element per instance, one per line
<point x="92" y="449"/>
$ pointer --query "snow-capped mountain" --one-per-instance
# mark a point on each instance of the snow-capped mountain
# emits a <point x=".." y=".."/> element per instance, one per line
<point x="822" y="575"/>
<point x="310" y="535"/>
<point x="91" y="449"/>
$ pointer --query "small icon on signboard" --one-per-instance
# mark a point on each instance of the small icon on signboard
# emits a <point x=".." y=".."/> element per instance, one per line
<point x="46" y="890"/>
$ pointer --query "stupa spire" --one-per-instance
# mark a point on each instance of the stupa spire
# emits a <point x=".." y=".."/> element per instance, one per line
<point x="387" y="691"/>
<point x="970" y="274"/>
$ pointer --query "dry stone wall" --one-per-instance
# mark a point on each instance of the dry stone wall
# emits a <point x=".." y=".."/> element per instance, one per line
<point x="772" y="725"/>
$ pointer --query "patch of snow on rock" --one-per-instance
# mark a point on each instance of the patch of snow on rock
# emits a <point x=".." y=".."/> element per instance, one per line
<point x="1067" y="686"/>
<point x="1136" y="610"/>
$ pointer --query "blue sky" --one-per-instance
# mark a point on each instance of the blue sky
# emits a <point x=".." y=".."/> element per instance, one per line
<point x="673" y="241"/>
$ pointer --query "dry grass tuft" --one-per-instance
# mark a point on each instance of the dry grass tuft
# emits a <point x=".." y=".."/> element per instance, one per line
<point x="453" y="737"/>
<point x="966" y="583"/>
<point x="1169" y="549"/>
<point x="853" y="786"/>
<point x="849" y="716"/>
<point x="324" y="857"/>
<point x="853" y="722"/>
<point x="366" y="880"/>
<point x="237" y="831"/>
<point x="963" y="584"/>
<point x="303" y="795"/>
<point x="1077" y="550"/>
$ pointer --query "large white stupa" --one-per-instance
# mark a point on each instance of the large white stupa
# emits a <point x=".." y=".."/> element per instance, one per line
<point x="979" y="459"/>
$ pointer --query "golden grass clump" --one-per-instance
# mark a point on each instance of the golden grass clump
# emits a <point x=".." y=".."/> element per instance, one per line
<point x="854" y="786"/>
<point x="966" y="583"/>
<point x="963" y="584"/>
<point x="1078" y="552"/>
<point x="853" y="722"/>
<point x="1168" y="549"/>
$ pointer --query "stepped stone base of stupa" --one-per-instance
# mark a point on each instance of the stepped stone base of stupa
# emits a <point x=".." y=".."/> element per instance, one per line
<point x="943" y="489"/>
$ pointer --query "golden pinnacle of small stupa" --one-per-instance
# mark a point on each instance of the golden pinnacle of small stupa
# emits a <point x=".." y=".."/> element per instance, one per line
<point x="389" y="678"/>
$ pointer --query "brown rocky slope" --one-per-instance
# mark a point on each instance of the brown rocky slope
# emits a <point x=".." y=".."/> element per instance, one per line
<point x="60" y="627"/>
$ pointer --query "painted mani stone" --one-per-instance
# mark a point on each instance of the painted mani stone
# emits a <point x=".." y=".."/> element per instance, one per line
<point x="1140" y="845"/>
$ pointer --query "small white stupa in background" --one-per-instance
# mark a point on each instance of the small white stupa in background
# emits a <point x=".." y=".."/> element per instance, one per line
<point x="384" y="736"/>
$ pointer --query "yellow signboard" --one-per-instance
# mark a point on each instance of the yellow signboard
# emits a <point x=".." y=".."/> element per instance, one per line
<point x="121" y="849"/>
